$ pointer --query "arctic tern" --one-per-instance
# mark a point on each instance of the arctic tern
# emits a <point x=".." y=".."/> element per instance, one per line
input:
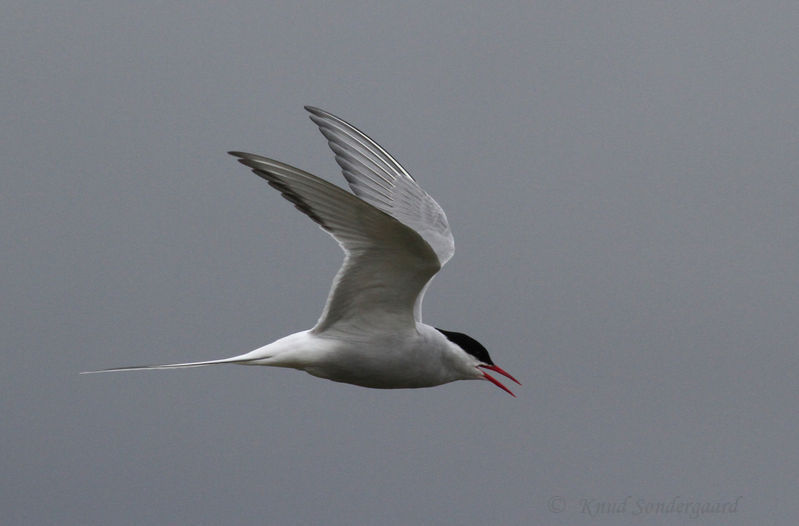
<point x="395" y="238"/>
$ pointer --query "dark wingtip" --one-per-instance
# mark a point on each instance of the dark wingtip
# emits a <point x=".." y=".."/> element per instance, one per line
<point x="251" y="160"/>
<point x="318" y="115"/>
<point x="246" y="155"/>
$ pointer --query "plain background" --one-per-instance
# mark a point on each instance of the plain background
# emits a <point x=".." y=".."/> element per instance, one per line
<point x="622" y="182"/>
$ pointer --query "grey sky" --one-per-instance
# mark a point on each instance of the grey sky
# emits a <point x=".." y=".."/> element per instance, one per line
<point x="622" y="181"/>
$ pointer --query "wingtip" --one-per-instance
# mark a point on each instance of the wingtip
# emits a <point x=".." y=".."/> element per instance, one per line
<point x="250" y="160"/>
<point x="318" y="113"/>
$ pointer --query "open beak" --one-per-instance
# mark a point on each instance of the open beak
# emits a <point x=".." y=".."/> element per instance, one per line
<point x="496" y="382"/>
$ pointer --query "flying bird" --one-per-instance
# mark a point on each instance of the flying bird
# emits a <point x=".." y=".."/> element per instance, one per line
<point x="395" y="238"/>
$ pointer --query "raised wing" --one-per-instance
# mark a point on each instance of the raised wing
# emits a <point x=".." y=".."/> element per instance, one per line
<point x="386" y="266"/>
<point x="377" y="178"/>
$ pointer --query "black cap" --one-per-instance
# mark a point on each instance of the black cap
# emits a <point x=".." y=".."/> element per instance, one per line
<point x="468" y="344"/>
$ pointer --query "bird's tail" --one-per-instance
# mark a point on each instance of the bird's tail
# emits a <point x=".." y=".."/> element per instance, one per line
<point x="187" y="365"/>
<point x="276" y="354"/>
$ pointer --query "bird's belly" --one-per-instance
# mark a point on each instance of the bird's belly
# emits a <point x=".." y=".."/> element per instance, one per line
<point x="382" y="368"/>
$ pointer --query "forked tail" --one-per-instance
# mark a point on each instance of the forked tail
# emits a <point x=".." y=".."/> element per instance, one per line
<point x="281" y="353"/>
<point x="170" y="365"/>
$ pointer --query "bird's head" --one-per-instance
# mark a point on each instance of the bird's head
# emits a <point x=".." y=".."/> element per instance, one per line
<point x="478" y="358"/>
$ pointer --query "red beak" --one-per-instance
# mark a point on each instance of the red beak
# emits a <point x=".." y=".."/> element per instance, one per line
<point x="503" y="372"/>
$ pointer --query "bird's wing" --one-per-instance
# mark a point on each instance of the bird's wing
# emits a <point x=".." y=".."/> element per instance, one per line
<point x="386" y="266"/>
<point x="377" y="178"/>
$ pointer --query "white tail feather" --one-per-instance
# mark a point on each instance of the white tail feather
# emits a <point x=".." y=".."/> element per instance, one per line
<point x="169" y="366"/>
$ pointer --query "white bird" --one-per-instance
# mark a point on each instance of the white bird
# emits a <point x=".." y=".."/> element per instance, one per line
<point x="395" y="238"/>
